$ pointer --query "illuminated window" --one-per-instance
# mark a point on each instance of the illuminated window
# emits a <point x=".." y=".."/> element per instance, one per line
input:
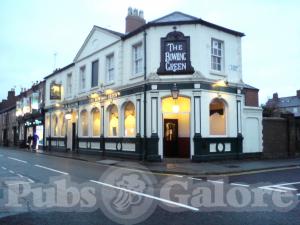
<point x="96" y="122"/>
<point x="113" y="121"/>
<point x="84" y="123"/>
<point x="62" y="125"/>
<point x="55" y="125"/>
<point x="129" y="120"/>
<point x="217" y="117"/>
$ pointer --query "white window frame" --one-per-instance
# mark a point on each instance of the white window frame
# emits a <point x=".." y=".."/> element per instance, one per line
<point x="110" y="68"/>
<point x="82" y="77"/>
<point x="69" y="84"/>
<point x="137" y="59"/>
<point x="215" y="54"/>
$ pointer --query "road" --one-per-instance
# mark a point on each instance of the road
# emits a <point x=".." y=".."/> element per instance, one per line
<point x="43" y="189"/>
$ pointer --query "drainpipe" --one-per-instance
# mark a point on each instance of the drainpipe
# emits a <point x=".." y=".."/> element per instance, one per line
<point x="144" y="156"/>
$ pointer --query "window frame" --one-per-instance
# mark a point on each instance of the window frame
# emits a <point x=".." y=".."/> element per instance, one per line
<point x="135" y="59"/>
<point x="69" y="84"/>
<point x="82" y="74"/>
<point x="217" y="56"/>
<point x="110" y="68"/>
<point x="92" y="74"/>
<point x="225" y="118"/>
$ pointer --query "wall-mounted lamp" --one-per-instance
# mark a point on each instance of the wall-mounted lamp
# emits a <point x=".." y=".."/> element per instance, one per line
<point x="220" y="83"/>
<point x="175" y="91"/>
<point x="68" y="116"/>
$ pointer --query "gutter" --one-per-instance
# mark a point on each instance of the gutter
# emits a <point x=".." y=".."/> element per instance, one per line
<point x="144" y="152"/>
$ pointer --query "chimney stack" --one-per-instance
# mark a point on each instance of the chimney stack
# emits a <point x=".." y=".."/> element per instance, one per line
<point x="298" y="93"/>
<point x="275" y="96"/>
<point x="134" y="19"/>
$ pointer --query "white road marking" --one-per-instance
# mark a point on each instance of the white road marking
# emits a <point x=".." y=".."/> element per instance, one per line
<point x="20" y="175"/>
<point x="19" y="160"/>
<point x="280" y="187"/>
<point x="4" y="168"/>
<point x="298" y="194"/>
<point x="11" y="171"/>
<point x="193" y="178"/>
<point x="216" y="181"/>
<point x="30" y="181"/>
<point x="47" y="168"/>
<point x="147" y="196"/>
<point x="178" y="176"/>
<point x="238" y="184"/>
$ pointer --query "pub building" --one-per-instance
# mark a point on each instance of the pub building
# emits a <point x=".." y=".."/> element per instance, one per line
<point x="30" y="113"/>
<point x="171" y="87"/>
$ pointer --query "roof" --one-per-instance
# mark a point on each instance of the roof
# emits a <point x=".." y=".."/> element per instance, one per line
<point x="59" y="70"/>
<point x="285" y="102"/>
<point x="175" y="16"/>
<point x="111" y="31"/>
<point x="247" y="86"/>
<point x="179" y="18"/>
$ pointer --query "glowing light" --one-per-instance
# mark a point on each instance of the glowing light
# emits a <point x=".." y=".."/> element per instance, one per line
<point x="109" y="91"/>
<point x="57" y="104"/>
<point x="175" y="108"/>
<point x="220" y="83"/>
<point x="68" y="116"/>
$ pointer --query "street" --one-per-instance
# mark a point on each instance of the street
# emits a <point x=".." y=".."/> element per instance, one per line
<point x="42" y="189"/>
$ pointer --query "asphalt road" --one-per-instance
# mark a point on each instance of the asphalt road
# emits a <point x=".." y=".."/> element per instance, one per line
<point x="43" y="189"/>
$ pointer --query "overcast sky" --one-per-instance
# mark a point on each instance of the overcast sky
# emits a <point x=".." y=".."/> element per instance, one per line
<point x="31" y="31"/>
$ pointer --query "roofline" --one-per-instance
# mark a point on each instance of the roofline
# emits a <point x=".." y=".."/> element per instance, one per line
<point x="160" y="18"/>
<point x="60" y="70"/>
<point x="196" y="21"/>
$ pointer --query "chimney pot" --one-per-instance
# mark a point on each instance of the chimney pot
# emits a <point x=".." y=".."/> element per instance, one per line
<point x="275" y="96"/>
<point x="134" y="19"/>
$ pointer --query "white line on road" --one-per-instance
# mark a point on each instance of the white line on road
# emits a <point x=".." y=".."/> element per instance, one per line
<point x="194" y="178"/>
<point x="216" y="181"/>
<point x="285" y="188"/>
<point x="238" y="184"/>
<point x="11" y="171"/>
<point x="178" y="176"/>
<point x="47" y="168"/>
<point x="20" y="175"/>
<point x="4" y="168"/>
<point x="19" y="160"/>
<point x="298" y="194"/>
<point x="269" y="188"/>
<point x="30" y="181"/>
<point x="148" y="196"/>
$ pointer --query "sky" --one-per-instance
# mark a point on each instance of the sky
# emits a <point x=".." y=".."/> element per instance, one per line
<point x="32" y="32"/>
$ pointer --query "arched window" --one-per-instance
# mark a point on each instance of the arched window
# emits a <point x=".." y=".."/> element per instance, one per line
<point x="217" y="117"/>
<point x="129" y="120"/>
<point x="84" y="123"/>
<point x="55" y="125"/>
<point x="113" y="121"/>
<point x="61" y="125"/>
<point x="96" y="122"/>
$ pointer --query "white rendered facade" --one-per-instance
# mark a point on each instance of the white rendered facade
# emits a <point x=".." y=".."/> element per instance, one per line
<point x="121" y="81"/>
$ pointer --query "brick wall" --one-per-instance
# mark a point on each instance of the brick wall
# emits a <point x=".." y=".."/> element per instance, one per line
<point x="251" y="97"/>
<point x="275" y="137"/>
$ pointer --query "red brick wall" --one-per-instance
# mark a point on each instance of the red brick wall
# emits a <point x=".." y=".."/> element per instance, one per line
<point x="251" y="97"/>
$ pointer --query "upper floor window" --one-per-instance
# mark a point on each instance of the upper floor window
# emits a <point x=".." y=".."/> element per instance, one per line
<point x="217" y="55"/>
<point x="137" y="59"/>
<point x="82" y="77"/>
<point x="95" y="68"/>
<point x="69" y="84"/>
<point x="110" y="68"/>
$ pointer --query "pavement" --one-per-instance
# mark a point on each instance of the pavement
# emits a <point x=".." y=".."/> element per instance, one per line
<point x="185" y="166"/>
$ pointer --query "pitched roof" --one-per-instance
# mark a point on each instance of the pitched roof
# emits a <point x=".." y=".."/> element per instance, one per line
<point x="179" y="18"/>
<point x="111" y="31"/>
<point x="175" y="16"/>
<point x="59" y="70"/>
<point x="285" y="102"/>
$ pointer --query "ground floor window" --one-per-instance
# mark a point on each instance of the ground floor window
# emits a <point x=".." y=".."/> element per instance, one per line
<point x="84" y="123"/>
<point x="217" y="117"/>
<point x="129" y="120"/>
<point x="96" y="122"/>
<point x="113" y="121"/>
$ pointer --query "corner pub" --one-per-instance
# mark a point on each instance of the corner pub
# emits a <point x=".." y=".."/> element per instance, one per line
<point x="171" y="87"/>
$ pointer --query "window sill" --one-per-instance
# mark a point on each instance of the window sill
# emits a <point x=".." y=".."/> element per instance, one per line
<point x="136" y="76"/>
<point x="218" y="73"/>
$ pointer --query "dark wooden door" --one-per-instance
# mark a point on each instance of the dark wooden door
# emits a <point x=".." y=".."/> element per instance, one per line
<point x="73" y="136"/>
<point x="170" y="137"/>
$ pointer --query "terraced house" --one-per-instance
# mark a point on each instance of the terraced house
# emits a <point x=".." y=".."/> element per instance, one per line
<point x="171" y="87"/>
